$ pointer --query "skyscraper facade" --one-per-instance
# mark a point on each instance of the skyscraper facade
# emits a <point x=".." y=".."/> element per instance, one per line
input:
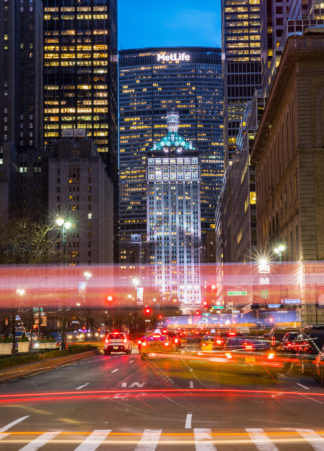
<point x="80" y="73"/>
<point x="21" y="104"/>
<point x="242" y="62"/>
<point x="151" y="81"/>
<point x="173" y="216"/>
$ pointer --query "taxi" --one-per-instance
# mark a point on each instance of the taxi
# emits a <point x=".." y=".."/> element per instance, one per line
<point x="155" y="344"/>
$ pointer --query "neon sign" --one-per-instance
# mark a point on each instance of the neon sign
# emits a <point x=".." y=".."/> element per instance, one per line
<point x="165" y="57"/>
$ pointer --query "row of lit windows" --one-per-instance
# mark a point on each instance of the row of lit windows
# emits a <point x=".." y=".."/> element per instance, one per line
<point x="78" y="16"/>
<point x="74" y="55"/>
<point x="71" y="9"/>
<point x="66" y="48"/>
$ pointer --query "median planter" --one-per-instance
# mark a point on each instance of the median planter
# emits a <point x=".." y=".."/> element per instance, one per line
<point x="5" y="348"/>
<point x="23" y="346"/>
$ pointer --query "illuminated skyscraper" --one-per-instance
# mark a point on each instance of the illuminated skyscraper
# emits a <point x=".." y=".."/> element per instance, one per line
<point x="80" y="74"/>
<point x="151" y="81"/>
<point x="173" y="216"/>
<point x="21" y="107"/>
<point x="242" y="62"/>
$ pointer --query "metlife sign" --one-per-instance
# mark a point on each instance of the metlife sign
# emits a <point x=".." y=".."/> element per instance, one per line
<point x="166" y="57"/>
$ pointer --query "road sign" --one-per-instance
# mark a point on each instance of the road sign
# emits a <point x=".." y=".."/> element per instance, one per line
<point x="264" y="294"/>
<point x="291" y="301"/>
<point x="237" y="293"/>
<point x="218" y="307"/>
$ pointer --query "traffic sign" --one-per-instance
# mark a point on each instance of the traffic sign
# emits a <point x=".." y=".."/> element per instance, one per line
<point x="237" y="293"/>
<point x="218" y="307"/>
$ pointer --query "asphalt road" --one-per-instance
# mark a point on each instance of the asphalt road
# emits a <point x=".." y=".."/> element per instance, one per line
<point x="121" y="402"/>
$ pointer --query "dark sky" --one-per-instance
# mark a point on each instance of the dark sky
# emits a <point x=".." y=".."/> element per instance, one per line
<point x="159" y="23"/>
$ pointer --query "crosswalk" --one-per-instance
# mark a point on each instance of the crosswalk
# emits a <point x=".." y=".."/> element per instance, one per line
<point x="199" y="439"/>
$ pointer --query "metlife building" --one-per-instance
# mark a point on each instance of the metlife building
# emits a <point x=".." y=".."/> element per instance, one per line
<point x="151" y="82"/>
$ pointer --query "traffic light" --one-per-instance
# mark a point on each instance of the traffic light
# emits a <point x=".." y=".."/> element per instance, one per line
<point x="197" y="312"/>
<point x="147" y="311"/>
<point x="160" y="316"/>
<point x="109" y="299"/>
<point x="205" y="304"/>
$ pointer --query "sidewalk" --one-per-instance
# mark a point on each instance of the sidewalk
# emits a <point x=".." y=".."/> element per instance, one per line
<point x="43" y="365"/>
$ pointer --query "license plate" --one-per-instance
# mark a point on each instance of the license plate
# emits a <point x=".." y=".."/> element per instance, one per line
<point x="115" y="347"/>
<point x="249" y="360"/>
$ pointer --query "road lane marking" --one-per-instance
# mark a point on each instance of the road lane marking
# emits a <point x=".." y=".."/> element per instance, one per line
<point x="188" y="421"/>
<point x="40" y="441"/>
<point x="191" y="384"/>
<point x="137" y="384"/>
<point x="82" y="386"/>
<point x="13" y="423"/>
<point x="94" y="440"/>
<point x="131" y="361"/>
<point x="261" y="440"/>
<point x="303" y="386"/>
<point x="203" y="440"/>
<point x="9" y="425"/>
<point x="314" y="439"/>
<point x="149" y="441"/>
<point x="114" y="371"/>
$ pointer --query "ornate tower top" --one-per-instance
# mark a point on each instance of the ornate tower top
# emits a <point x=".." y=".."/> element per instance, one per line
<point x="173" y="120"/>
<point x="173" y="141"/>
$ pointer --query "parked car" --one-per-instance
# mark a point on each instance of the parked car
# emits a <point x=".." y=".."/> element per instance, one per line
<point x="308" y="344"/>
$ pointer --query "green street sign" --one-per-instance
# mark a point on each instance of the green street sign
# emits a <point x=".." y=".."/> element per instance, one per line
<point x="237" y="293"/>
<point x="218" y="307"/>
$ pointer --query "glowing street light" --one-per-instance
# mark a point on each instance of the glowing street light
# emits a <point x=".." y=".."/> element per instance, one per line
<point x="279" y="250"/>
<point x="65" y="225"/>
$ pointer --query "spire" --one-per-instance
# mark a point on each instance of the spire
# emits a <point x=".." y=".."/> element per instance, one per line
<point x="173" y="141"/>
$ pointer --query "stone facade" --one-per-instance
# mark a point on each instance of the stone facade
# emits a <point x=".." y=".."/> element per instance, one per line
<point x="288" y="155"/>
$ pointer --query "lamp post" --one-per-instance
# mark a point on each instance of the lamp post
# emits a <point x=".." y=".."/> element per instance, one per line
<point x="65" y="225"/>
<point x="279" y="250"/>
<point x="135" y="283"/>
<point x="87" y="275"/>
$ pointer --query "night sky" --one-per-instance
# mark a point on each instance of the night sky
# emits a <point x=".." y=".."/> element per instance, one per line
<point x="159" y="23"/>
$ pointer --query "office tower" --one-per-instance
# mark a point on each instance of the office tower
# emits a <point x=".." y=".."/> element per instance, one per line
<point x="242" y="65"/>
<point x="21" y="104"/>
<point x="81" y="191"/>
<point x="80" y="77"/>
<point x="151" y="81"/>
<point x="173" y="216"/>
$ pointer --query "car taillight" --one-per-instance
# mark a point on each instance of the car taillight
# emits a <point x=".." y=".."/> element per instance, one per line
<point x="204" y="344"/>
<point x="273" y="341"/>
<point x="139" y="342"/>
<point x="219" y="342"/>
<point x="143" y="344"/>
<point x="166" y="343"/>
<point x="271" y="356"/>
<point x="232" y="334"/>
<point x="176" y="340"/>
<point x="107" y="340"/>
<point x="228" y="355"/>
<point x="125" y="340"/>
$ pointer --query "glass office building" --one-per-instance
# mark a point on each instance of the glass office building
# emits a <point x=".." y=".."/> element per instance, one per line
<point x="151" y="81"/>
<point x="242" y="62"/>
<point x="80" y="73"/>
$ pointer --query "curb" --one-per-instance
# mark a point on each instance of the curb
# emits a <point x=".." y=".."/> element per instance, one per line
<point x="45" y="365"/>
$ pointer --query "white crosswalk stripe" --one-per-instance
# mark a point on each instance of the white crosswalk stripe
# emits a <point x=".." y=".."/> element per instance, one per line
<point x="149" y="440"/>
<point x="10" y="425"/>
<point x="203" y="440"/>
<point x="261" y="440"/>
<point x="314" y="439"/>
<point x="40" y="441"/>
<point x="94" y="440"/>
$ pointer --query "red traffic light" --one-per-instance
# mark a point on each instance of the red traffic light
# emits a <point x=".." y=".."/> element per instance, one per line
<point x="160" y="316"/>
<point x="147" y="310"/>
<point x="205" y="303"/>
<point x="109" y="298"/>
<point x="197" y="312"/>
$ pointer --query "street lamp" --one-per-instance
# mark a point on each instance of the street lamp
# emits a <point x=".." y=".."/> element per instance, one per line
<point x="135" y="283"/>
<point x="65" y="225"/>
<point x="279" y="250"/>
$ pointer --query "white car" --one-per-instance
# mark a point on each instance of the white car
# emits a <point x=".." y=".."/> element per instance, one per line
<point x="117" y="342"/>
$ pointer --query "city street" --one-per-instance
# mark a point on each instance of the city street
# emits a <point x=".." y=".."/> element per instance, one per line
<point x="121" y="402"/>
